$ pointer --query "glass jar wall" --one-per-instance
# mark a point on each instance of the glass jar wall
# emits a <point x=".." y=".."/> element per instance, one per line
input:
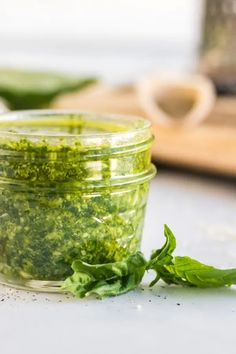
<point x="72" y="186"/>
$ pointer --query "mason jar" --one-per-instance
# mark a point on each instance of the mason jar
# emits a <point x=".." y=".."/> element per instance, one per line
<point x="72" y="186"/>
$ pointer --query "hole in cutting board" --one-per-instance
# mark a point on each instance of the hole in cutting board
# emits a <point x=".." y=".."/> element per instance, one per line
<point x="175" y="101"/>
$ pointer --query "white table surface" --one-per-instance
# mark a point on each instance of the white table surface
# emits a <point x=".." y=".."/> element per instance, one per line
<point x="201" y="212"/>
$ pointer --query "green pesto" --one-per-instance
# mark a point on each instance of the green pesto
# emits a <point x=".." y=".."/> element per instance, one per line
<point x="58" y="204"/>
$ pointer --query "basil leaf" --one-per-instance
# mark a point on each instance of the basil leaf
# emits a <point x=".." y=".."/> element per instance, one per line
<point x="24" y="89"/>
<point x="185" y="270"/>
<point x="162" y="256"/>
<point x="190" y="272"/>
<point x="107" y="279"/>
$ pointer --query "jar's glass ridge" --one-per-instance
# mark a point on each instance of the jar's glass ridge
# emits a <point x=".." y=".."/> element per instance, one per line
<point x="72" y="185"/>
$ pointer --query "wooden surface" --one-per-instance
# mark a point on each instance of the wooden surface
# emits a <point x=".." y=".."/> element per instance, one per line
<point x="209" y="146"/>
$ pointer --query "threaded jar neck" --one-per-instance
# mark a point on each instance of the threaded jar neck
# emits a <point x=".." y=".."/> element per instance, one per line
<point x="82" y="150"/>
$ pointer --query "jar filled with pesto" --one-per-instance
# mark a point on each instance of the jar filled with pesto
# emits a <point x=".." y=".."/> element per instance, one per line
<point x="72" y="186"/>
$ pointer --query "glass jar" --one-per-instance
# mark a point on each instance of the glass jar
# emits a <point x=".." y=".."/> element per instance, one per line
<point x="72" y="186"/>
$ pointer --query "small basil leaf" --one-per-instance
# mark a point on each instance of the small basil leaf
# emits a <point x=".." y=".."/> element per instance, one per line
<point x="194" y="273"/>
<point x="107" y="279"/>
<point x="162" y="256"/>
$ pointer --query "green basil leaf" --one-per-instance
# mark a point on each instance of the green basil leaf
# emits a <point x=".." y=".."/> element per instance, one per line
<point x="185" y="270"/>
<point x="193" y="273"/>
<point x="162" y="256"/>
<point x="107" y="279"/>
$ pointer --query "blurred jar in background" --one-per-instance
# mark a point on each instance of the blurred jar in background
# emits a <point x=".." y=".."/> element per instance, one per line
<point x="218" y="49"/>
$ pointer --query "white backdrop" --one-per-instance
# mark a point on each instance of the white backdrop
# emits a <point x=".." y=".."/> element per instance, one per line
<point x="107" y="18"/>
<point x="131" y="35"/>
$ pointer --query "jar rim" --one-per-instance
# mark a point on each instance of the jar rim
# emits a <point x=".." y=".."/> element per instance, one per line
<point x="139" y="124"/>
<point x="94" y="153"/>
<point x="105" y="129"/>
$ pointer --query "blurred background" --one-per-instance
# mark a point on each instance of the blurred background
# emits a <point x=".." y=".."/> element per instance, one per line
<point x="172" y="62"/>
<point x="114" y="39"/>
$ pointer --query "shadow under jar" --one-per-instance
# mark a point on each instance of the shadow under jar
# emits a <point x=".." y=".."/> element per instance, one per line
<point x="72" y="186"/>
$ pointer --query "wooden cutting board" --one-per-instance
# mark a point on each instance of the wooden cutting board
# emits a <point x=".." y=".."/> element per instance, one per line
<point x="209" y="146"/>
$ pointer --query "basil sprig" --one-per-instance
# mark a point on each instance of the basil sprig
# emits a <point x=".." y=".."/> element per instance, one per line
<point x="110" y="279"/>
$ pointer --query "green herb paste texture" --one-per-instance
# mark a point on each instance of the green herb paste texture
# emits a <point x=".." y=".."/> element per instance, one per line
<point x="52" y="212"/>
